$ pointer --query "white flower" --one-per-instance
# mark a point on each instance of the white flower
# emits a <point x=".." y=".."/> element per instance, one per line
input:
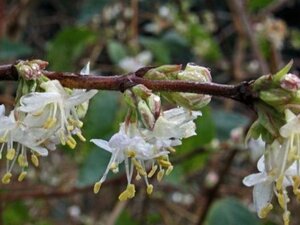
<point x="56" y="111"/>
<point x="172" y="126"/>
<point x="129" y="147"/>
<point x="275" y="175"/>
<point x="16" y="141"/>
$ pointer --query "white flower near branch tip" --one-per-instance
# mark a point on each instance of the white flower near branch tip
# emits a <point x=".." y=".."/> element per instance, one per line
<point x="56" y="111"/>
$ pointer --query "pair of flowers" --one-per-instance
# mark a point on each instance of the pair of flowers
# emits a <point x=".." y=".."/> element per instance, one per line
<point x="146" y="150"/>
<point x="39" y="122"/>
<point x="278" y="124"/>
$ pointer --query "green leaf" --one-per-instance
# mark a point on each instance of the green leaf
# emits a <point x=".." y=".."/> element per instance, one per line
<point x="229" y="211"/>
<point x="15" y="213"/>
<point x="226" y="121"/>
<point x="67" y="47"/>
<point x="116" y="51"/>
<point x="159" y="49"/>
<point x="10" y="49"/>
<point x="277" y="77"/>
<point x="99" y="123"/>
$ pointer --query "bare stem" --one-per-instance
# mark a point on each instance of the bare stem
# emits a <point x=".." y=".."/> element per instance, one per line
<point x="241" y="92"/>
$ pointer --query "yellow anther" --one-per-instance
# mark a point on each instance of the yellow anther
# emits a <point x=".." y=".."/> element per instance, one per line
<point x="50" y="122"/>
<point x="70" y="127"/>
<point x="131" y="190"/>
<point x="171" y="149"/>
<point x="138" y="176"/>
<point x="169" y="170"/>
<point x="2" y="139"/>
<point x="265" y="210"/>
<point x="149" y="189"/>
<point x="281" y="200"/>
<point x="10" y="154"/>
<point x="6" y="178"/>
<point x="164" y="163"/>
<point x="139" y="167"/>
<point x="152" y="171"/>
<point x="123" y="196"/>
<point x="97" y="187"/>
<point x="160" y="174"/>
<point x="114" y="167"/>
<point x="296" y="185"/>
<point x="279" y="183"/>
<point x="22" y="176"/>
<point x="286" y="217"/>
<point x="71" y="142"/>
<point x="131" y="154"/>
<point x="35" y="160"/>
<point x="22" y="161"/>
<point x="79" y="123"/>
<point x="80" y="136"/>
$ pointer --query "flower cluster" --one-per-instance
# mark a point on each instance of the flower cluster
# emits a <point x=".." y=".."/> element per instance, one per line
<point x="148" y="134"/>
<point x="278" y="124"/>
<point x="45" y="114"/>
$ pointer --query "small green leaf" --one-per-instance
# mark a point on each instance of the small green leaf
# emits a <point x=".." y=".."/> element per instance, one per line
<point x="116" y="51"/>
<point x="229" y="211"/>
<point x="67" y="47"/>
<point x="277" y="77"/>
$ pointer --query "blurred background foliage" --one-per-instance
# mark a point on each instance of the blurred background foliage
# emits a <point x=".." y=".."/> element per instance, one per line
<point x="237" y="40"/>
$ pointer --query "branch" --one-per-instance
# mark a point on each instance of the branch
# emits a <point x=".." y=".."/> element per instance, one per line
<point x="241" y="92"/>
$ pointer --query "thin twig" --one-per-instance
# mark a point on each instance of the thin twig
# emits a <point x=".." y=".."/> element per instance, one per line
<point x="212" y="193"/>
<point x="241" y="16"/>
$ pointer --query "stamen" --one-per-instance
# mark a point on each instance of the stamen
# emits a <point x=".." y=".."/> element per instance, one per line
<point x="152" y="171"/>
<point x="35" y="160"/>
<point x="97" y="187"/>
<point x="6" y="178"/>
<point x="80" y="136"/>
<point x="22" y="176"/>
<point x="22" y="161"/>
<point x="149" y="189"/>
<point x="265" y="211"/>
<point x="160" y="175"/>
<point x="10" y="154"/>
<point x="169" y="170"/>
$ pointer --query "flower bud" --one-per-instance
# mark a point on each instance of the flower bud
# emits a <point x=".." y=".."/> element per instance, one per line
<point x="141" y="91"/>
<point x="192" y="101"/>
<point x="154" y="104"/>
<point x="146" y="114"/>
<point x="290" y="82"/>
<point x="163" y="72"/>
<point x="194" y="72"/>
<point x="31" y="70"/>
